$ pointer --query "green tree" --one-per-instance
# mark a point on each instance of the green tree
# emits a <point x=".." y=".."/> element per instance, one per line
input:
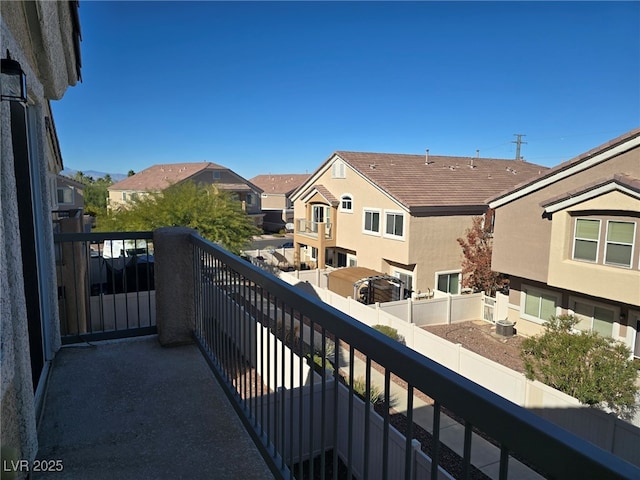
<point x="594" y="369"/>
<point x="213" y="213"/>
<point x="130" y="173"/>
<point x="477" y="246"/>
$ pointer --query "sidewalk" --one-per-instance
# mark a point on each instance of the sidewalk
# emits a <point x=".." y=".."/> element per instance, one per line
<point x="484" y="455"/>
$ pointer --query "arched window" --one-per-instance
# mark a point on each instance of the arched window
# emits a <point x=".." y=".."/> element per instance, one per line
<point x="346" y="203"/>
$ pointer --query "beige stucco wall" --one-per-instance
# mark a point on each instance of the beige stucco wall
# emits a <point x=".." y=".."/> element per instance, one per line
<point x="274" y="201"/>
<point x="612" y="282"/>
<point x="41" y="48"/>
<point x="434" y="247"/>
<point x="522" y="236"/>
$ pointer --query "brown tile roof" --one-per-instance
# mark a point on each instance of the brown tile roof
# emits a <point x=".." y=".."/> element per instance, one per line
<point x="280" y="183"/>
<point x="443" y="181"/>
<point x="570" y="163"/>
<point x="158" y="177"/>
<point x="328" y="196"/>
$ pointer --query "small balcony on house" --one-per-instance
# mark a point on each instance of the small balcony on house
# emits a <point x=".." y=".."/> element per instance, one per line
<point x="228" y="372"/>
<point x="311" y="229"/>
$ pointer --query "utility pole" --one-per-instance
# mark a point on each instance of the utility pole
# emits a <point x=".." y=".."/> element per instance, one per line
<point x="518" y="142"/>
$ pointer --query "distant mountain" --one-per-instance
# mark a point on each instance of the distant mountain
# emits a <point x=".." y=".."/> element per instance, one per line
<point x="116" y="177"/>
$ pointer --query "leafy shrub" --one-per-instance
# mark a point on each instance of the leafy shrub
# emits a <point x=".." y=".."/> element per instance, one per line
<point x="594" y="369"/>
<point x="389" y="332"/>
<point x="360" y="389"/>
<point x="321" y="364"/>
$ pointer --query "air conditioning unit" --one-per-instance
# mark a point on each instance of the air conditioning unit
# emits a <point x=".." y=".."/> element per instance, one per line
<point x="504" y="328"/>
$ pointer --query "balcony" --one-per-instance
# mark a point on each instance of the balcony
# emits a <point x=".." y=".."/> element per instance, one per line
<point x="313" y="229"/>
<point x="295" y="370"/>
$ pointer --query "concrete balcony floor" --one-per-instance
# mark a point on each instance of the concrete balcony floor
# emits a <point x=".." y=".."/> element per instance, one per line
<point x="131" y="409"/>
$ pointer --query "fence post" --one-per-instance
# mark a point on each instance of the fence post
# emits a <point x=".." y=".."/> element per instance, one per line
<point x="175" y="286"/>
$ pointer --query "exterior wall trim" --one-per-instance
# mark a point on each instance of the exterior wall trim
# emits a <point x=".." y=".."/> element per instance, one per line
<point x="609" y="187"/>
<point x="562" y="174"/>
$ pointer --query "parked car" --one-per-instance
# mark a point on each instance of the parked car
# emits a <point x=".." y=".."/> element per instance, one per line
<point x="287" y="245"/>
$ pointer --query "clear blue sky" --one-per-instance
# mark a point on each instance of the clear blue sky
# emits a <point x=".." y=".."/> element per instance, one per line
<point x="264" y="87"/>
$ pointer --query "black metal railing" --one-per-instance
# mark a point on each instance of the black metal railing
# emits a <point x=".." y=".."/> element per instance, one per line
<point x="298" y="372"/>
<point x="105" y="285"/>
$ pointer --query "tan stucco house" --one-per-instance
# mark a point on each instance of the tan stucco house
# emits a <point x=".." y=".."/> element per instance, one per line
<point x="398" y="214"/>
<point x="67" y="194"/>
<point x="158" y="177"/>
<point x="570" y="242"/>
<point x="276" y="197"/>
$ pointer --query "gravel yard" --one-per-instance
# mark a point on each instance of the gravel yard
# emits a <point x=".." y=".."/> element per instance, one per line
<point x="480" y="337"/>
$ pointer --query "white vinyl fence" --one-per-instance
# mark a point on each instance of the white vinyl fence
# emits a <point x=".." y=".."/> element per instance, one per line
<point x="603" y="429"/>
<point x="279" y="409"/>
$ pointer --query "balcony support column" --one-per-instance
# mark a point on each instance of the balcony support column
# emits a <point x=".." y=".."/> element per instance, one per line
<point x="175" y="288"/>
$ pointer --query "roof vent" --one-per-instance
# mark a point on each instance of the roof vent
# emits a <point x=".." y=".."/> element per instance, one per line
<point x="372" y="166"/>
<point x="426" y="157"/>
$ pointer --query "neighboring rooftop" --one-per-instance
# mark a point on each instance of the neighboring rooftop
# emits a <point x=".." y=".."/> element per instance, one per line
<point x="283" y="183"/>
<point x="606" y="150"/>
<point x="440" y="181"/>
<point x="158" y="177"/>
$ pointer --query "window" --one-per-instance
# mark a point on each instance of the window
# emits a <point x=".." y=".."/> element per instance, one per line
<point x="65" y="195"/>
<point x="124" y="196"/>
<point x="538" y="305"/>
<point x="314" y="253"/>
<point x="338" y="170"/>
<point x="619" y="247"/>
<point x="133" y="196"/>
<point x="586" y="237"/>
<point x="449" y="282"/>
<point x="346" y="203"/>
<point x="394" y="224"/>
<point x="216" y="175"/>
<point x="249" y="199"/>
<point x="371" y="221"/>
<point x="594" y="318"/>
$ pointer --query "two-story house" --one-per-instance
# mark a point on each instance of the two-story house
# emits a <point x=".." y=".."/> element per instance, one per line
<point x="158" y="177"/>
<point x="570" y="241"/>
<point x="276" y="198"/>
<point x="398" y="214"/>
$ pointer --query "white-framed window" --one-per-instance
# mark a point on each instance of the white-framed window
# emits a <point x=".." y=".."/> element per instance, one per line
<point x="595" y="317"/>
<point x="65" y="195"/>
<point x="371" y="221"/>
<point x="585" y="239"/>
<point x="352" y="261"/>
<point x="346" y="203"/>
<point x="538" y="305"/>
<point x="619" y="244"/>
<point x="124" y="196"/>
<point x="338" y="170"/>
<point x="133" y="196"/>
<point x="449" y="282"/>
<point x="394" y="224"/>
<point x="314" y="253"/>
